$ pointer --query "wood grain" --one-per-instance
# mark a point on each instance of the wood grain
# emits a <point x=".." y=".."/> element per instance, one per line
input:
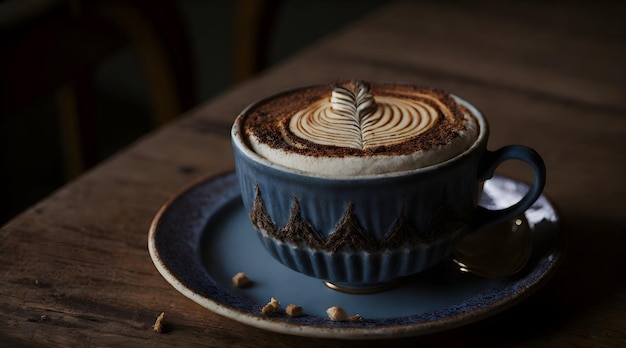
<point x="75" y="271"/>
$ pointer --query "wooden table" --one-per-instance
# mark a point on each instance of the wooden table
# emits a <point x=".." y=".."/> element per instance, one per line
<point x="75" y="270"/>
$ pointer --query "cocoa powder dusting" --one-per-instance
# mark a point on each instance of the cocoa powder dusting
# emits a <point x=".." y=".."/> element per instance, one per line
<point x="269" y="122"/>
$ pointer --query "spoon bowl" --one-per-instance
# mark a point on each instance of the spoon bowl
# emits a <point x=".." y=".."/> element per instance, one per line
<point x="499" y="251"/>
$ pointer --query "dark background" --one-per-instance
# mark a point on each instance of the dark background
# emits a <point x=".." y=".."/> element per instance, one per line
<point x="48" y="44"/>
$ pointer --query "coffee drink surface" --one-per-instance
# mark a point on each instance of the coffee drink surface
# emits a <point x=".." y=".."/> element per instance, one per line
<point x="356" y="128"/>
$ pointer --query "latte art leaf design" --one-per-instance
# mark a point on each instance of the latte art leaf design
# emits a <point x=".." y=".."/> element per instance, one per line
<point x="353" y="118"/>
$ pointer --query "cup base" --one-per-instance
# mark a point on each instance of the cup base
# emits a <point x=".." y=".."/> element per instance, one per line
<point x="362" y="289"/>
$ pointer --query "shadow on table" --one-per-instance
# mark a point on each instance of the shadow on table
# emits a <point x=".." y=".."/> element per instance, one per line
<point x="590" y="275"/>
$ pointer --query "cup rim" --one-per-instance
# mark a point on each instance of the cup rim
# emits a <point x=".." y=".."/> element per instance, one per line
<point x="237" y="136"/>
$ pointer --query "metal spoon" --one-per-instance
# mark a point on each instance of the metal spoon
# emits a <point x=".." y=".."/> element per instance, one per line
<point x="496" y="252"/>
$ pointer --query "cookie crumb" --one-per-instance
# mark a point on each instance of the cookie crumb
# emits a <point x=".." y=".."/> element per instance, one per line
<point x="338" y="314"/>
<point x="159" y="324"/>
<point x="293" y="310"/>
<point x="271" y="307"/>
<point x="354" y="318"/>
<point x="241" y="280"/>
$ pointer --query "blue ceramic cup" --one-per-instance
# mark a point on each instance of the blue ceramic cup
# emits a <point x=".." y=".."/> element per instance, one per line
<point x="396" y="224"/>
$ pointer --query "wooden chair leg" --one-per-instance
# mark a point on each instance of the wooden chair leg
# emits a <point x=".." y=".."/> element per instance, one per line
<point x="69" y="132"/>
<point x="252" y="27"/>
<point x="152" y="54"/>
<point x="76" y="112"/>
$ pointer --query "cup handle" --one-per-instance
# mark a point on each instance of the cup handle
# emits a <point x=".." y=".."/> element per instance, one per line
<point x="484" y="217"/>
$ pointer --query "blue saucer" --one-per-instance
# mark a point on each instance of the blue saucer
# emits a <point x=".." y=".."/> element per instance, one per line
<point x="202" y="237"/>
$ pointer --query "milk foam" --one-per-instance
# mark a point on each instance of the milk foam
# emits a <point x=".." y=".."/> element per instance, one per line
<point x="354" y="118"/>
<point x="376" y="164"/>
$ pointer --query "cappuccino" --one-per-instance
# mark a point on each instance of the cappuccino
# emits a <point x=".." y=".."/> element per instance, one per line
<point x="353" y="128"/>
<point x="359" y="184"/>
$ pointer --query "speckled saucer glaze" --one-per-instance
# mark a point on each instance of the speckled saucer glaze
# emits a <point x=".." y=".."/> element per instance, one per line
<point x="202" y="237"/>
